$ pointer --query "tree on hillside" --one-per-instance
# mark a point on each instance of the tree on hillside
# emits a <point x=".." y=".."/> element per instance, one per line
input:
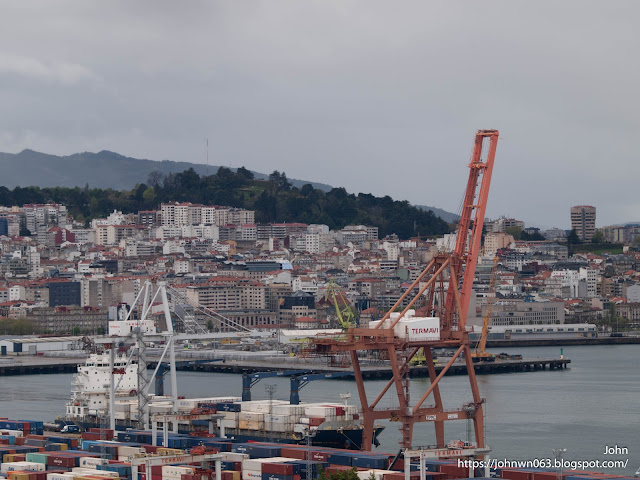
<point x="280" y="179"/>
<point x="598" y="237"/>
<point x="245" y="174"/>
<point x="515" y="232"/>
<point x="572" y="238"/>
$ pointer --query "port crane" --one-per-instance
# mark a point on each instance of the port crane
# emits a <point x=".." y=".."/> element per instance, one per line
<point x="346" y="315"/>
<point x="446" y="284"/>
<point x="480" y="354"/>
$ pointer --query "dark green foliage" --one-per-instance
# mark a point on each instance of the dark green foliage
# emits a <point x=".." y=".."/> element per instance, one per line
<point x="598" y="237"/>
<point x="572" y="238"/>
<point x="20" y="326"/>
<point x="274" y="200"/>
<point x="346" y="475"/>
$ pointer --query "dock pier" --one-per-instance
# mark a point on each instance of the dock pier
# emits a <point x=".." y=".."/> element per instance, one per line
<point x="30" y="365"/>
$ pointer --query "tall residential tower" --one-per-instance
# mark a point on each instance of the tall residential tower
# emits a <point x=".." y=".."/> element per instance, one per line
<point x="583" y="221"/>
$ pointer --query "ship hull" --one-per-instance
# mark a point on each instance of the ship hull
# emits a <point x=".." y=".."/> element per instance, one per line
<point x="349" y="437"/>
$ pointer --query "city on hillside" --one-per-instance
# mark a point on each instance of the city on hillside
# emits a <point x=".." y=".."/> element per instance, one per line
<point x="60" y="276"/>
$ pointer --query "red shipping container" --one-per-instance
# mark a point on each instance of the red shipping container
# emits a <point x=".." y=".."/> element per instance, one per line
<point x="297" y="453"/>
<point x="316" y="421"/>
<point x="20" y="458"/>
<point x="548" y="475"/>
<point x="227" y="475"/>
<point x="156" y="470"/>
<point x="156" y="477"/>
<point x="41" y="475"/>
<point x="454" y="471"/>
<point x="4" y="441"/>
<point x="61" y="461"/>
<point x="277" y="468"/>
<point x="516" y="475"/>
<point x="150" y="448"/>
<point x="319" y="456"/>
<point x="339" y="410"/>
<point x="20" y="440"/>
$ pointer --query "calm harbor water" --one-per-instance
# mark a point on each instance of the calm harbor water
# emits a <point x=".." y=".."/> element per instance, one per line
<point x="593" y="404"/>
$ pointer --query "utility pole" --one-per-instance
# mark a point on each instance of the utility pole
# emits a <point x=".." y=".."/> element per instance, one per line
<point x="271" y="390"/>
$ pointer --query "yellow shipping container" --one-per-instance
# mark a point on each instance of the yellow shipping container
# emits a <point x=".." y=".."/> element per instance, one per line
<point x="169" y="451"/>
<point x="8" y="458"/>
<point x="18" y="475"/>
<point x="235" y="474"/>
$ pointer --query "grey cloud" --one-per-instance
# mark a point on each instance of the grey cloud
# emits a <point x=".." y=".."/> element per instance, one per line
<point x="380" y="97"/>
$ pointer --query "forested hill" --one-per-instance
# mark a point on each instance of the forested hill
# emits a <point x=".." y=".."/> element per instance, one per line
<point x="274" y="200"/>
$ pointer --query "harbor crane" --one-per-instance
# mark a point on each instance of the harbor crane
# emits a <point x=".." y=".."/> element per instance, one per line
<point x="445" y="285"/>
<point x="346" y="316"/>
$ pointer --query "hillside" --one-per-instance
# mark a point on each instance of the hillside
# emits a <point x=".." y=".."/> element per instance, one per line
<point x="104" y="169"/>
<point x="274" y="200"/>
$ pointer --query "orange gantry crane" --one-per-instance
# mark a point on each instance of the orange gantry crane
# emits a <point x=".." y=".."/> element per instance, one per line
<point x="446" y="285"/>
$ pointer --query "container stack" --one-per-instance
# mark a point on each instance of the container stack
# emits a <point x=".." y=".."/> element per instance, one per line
<point x="56" y="457"/>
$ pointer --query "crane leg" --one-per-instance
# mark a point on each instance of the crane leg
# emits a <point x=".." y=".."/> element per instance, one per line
<point x="478" y="418"/>
<point x="439" y="425"/>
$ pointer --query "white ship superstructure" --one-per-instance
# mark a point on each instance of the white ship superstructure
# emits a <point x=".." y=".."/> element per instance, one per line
<point x="90" y="386"/>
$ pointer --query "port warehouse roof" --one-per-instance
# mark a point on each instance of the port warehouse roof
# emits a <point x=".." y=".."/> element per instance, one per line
<point x="41" y="343"/>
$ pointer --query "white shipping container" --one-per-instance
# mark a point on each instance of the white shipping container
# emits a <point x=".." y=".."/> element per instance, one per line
<point x="173" y="470"/>
<point x="418" y="329"/>
<point x="27" y="466"/>
<point x="60" y="476"/>
<point x="127" y="451"/>
<point x="300" y="428"/>
<point x="251" y="475"/>
<point x="234" y="457"/>
<point x="92" y="461"/>
<point x="320" y="411"/>
<point x="80" y="471"/>
<point x="15" y="433"/>
<point x="289" y="410"/>
<point x="251" y="417"/>
<point x="269" y="419"/>
<point x="304" y="420"/>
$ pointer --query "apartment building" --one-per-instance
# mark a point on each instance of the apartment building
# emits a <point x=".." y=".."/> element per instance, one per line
<point x="583" y="221"/>
<point x="519" y="312"/>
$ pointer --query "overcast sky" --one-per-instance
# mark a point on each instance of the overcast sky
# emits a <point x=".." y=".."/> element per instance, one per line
<point x="376" y="96"/>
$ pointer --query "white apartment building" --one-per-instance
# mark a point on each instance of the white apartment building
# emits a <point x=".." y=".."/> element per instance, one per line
<point x="590" y="278"/>
<point x="44" y="215"/>
<point x="193" y="214"/>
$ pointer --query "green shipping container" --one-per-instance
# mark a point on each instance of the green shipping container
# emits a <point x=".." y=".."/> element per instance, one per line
<point x="37" y="458"/>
